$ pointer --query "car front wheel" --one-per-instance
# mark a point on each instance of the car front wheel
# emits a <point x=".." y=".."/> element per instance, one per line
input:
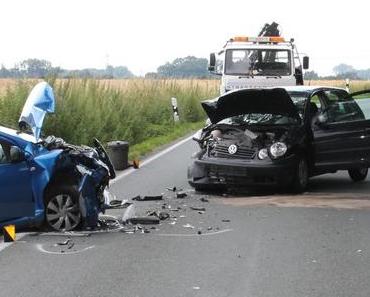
<point x="358" y="175"/>
<point x="300" y="180"/>
<point x="62" y="211"/>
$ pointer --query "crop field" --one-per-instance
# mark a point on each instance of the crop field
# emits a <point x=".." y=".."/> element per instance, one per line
<point x="135" y="110"/>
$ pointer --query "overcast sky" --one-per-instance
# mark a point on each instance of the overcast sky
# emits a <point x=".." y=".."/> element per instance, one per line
<point x="143" y="34"/>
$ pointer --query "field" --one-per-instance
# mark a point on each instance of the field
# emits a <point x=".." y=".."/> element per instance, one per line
<point x="135" y="110"/>
<point x="138" y="111"/>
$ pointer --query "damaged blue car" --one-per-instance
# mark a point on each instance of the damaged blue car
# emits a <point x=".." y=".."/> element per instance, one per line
<point x="46" y="180"/>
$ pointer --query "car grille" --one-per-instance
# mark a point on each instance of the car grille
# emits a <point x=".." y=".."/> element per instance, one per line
<point x="221" y="151"/>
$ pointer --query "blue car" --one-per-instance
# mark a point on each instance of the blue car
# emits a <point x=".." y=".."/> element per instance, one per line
<point x="48" y="181"/>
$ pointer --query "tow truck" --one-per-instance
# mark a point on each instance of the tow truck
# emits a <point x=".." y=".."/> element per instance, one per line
<point x="253" y="62"/>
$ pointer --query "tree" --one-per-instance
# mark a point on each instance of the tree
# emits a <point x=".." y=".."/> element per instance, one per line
<point x="35" y="68"/>
<point x="184" y="67"/>
<point x="311" y="75"/>
<point x="343" y="68"/>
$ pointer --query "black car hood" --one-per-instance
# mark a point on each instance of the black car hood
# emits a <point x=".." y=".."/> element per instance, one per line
<point x="264" y="101"/>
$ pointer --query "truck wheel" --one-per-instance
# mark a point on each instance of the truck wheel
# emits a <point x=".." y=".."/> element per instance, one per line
<point x="300" y="179"/>
<point x="358" y="175"/>
<point x="62" y="211"/>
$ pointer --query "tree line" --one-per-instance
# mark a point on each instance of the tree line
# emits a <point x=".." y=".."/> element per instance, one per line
<point x="36" y="68"/>
<point x="341" y="71"/>
<point x="186" y="67"/>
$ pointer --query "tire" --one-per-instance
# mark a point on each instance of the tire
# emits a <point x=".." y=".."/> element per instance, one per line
<point x="358" y="174"/>
<point x="300" y="179"/>
<point x="62" y="211"/>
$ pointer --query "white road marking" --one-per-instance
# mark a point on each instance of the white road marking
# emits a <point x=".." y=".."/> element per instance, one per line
<point x="151" y="159"/>
<point x="195" y="235"/>
<point x="4" y="245"/>
<point x="41" y="249"/>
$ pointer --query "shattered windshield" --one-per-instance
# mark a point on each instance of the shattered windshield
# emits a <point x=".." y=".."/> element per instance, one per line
<point x="259" y="62"/>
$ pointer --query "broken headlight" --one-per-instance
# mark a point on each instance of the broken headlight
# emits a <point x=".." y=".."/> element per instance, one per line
<point x="278" y="149"/>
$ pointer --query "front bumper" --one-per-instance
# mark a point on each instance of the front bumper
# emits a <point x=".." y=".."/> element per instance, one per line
<point x="229" y="172"/>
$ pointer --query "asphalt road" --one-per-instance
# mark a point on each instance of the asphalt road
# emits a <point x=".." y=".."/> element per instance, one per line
<point x="316" y="244"/>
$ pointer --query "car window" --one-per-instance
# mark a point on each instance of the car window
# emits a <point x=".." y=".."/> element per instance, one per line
<point x="363" y="100"/>
<point x="315" y="99"/>
<point x="341" y="108"/>
<point x="4" y="152"/>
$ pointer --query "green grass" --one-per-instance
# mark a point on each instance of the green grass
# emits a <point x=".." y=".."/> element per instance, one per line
<point x="140" y="112"/>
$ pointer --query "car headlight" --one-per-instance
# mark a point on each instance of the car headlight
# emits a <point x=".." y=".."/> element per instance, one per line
<point x="278" y="149"/>
<point x="262" y="154"/>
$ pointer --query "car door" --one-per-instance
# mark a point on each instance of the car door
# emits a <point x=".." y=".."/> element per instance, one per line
<point x="16" y="198"/>
<point x="341" y="138"/>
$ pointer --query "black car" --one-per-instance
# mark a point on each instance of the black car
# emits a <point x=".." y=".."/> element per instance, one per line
<point x="282" y="136"/>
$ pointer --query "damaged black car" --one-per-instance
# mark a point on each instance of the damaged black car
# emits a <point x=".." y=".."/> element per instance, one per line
<point x="281" y="136"/>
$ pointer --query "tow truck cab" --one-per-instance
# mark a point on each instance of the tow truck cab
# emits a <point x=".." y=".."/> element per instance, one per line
<point x="255" y="62"/>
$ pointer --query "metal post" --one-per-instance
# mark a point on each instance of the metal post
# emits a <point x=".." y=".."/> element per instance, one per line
<point x="347" y="85"/>
<point x="176" y="116"/>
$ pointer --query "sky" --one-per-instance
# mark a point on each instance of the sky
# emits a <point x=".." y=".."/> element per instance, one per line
<point x="144" y="34"/>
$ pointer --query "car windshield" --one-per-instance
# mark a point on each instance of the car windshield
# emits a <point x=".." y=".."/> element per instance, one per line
<point x="260" y="119"/>
<point x="299" y="100"/>
<point x="260" y="62"/>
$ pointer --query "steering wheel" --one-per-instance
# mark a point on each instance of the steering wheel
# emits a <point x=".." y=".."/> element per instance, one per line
<point x="104" y="157"/>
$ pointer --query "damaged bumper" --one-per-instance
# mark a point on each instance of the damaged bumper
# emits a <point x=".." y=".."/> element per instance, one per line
<point x="217" y="171"/>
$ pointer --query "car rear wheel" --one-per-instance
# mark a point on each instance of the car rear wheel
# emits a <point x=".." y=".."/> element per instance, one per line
<point x="62" y="211"/>
<point x="300" y="179"/>
<point x="358" y="175"/>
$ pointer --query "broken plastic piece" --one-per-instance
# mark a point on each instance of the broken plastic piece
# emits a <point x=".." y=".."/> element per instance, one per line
<point x="64" y="242"/>
<point x="204" y="199"/>
<point x="188" y="226"/>
<point x="181" y="194"/>
<point x="148" y="198"/>
<point x="199" y="232"/>
<point x="197" y="208"/>
<point x="226" y="221"/>
<point x="173" y="189"/>
<point x="152" y="220"/>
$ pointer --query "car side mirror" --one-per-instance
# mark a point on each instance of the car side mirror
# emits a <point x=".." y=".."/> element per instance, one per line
<point x="306" y="62"/>
<point x="212" y="62"/>
<point x="16" y="155"/>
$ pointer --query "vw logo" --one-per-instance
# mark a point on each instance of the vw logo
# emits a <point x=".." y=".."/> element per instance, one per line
<point x="232" y="149"/>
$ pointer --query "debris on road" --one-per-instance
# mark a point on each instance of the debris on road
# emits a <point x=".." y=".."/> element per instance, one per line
<point x="226" y="220"/>
<point x="148" y="198"/>
<point x="152" y="220"/>
<point x="162" y="215"/>
<point x="197" y="208"/>
<point x="64" y="242"/>
<point x="173" y="189"/>
<point x="181" y="194"/>
<point x="188" y="226"/>
<point x="204" y="199"/>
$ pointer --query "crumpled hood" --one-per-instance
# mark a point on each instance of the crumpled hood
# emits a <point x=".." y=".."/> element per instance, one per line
<point x="39" y="102"/>
<point x="264" y="101"/>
